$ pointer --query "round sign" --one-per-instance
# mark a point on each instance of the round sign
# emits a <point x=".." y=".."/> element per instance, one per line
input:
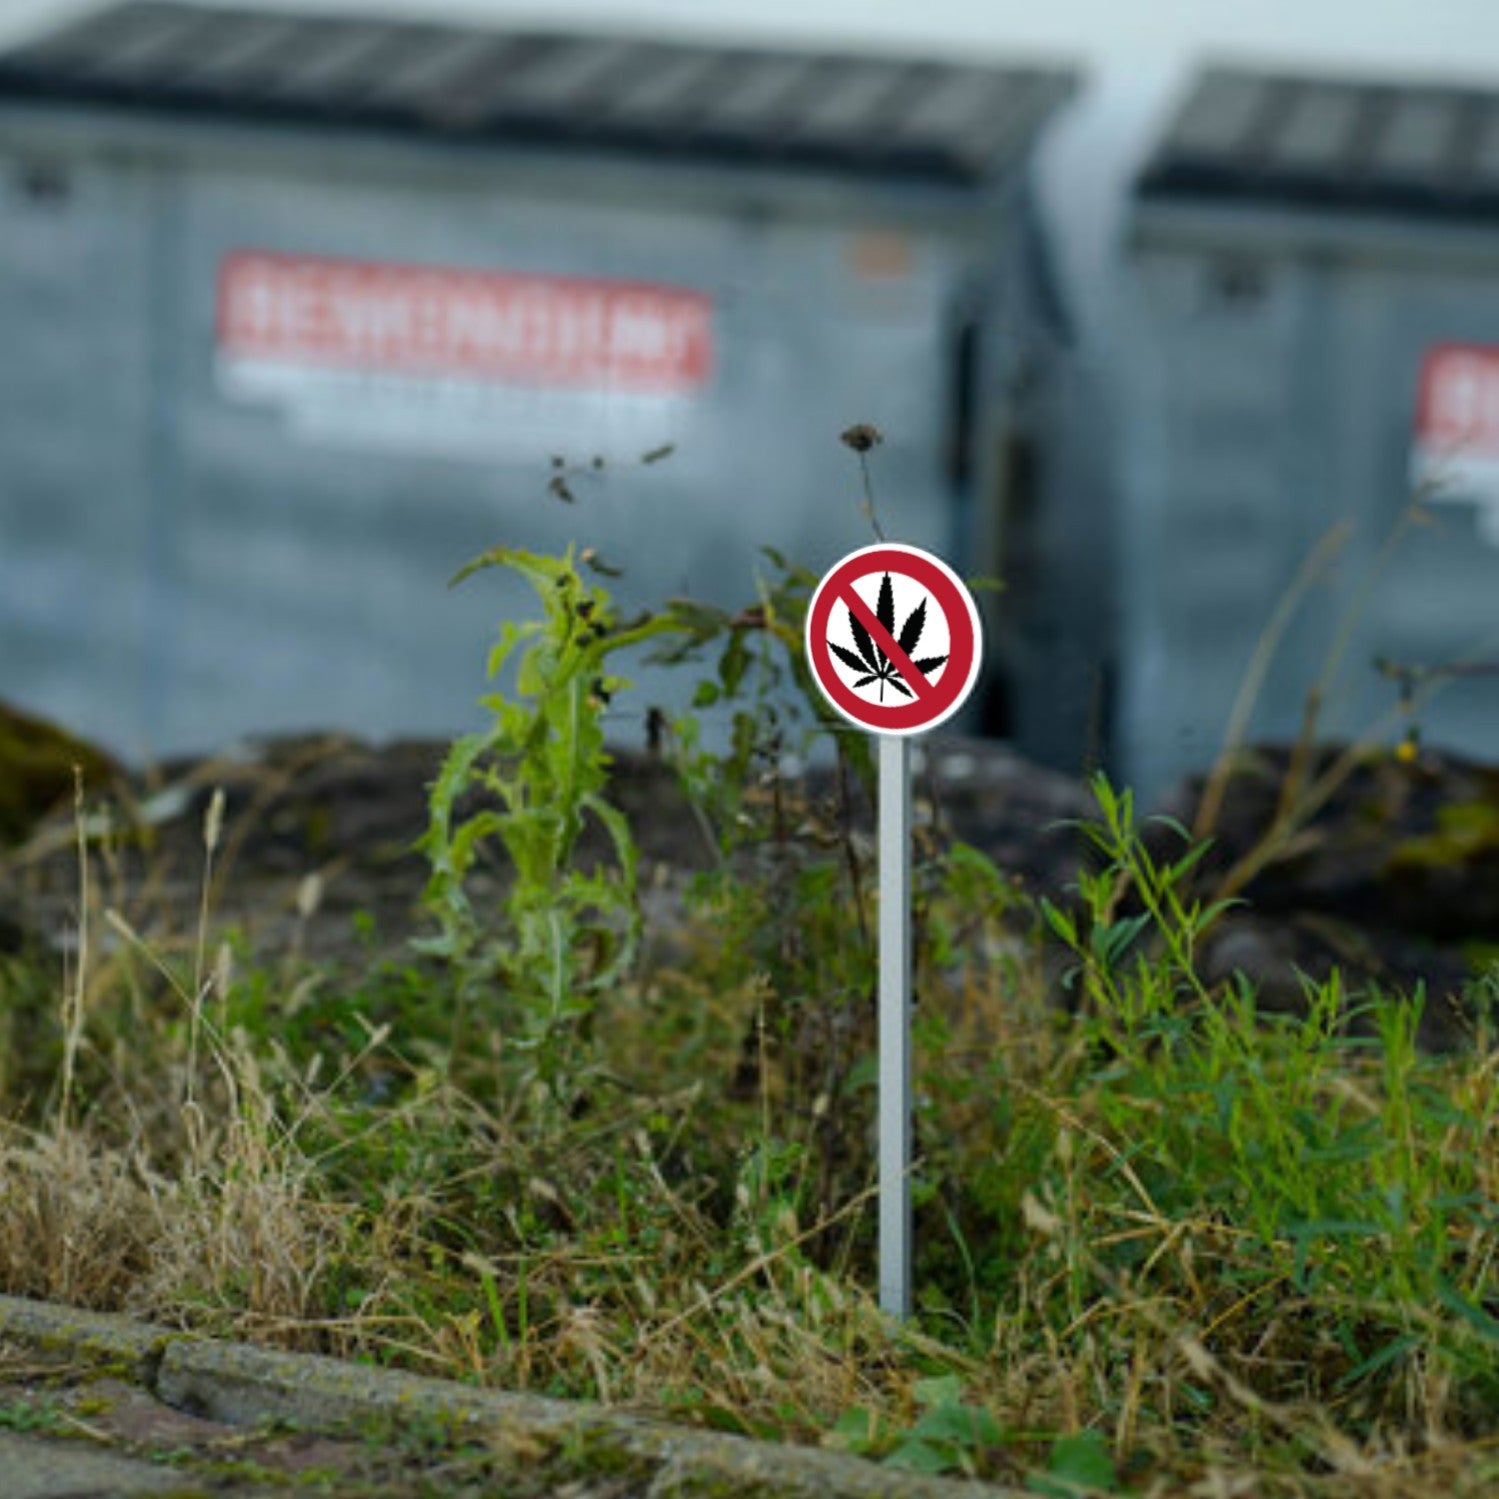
<point x="893" y="639"/>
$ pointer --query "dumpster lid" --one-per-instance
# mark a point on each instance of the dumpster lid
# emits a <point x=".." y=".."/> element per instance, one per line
<point x="871" y="114"/>
<point x="1331" y="143"/>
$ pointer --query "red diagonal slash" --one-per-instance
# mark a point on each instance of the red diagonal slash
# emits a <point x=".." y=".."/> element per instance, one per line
<point x="886" y="642"/>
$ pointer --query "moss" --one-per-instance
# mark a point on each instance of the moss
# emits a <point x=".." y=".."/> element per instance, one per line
<point x="36" y="770"/>
<point x="1465" y="831"/>
<point x="588" y="1450"/>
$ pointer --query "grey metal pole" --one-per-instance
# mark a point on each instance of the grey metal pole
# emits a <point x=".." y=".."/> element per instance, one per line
<point x="895" y="1024"/>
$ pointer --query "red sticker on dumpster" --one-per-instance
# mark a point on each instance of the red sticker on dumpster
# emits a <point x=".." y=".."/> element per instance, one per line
<point x="1456" y="454"/>
<point x="314" y="312"/>
<point x="893" y="639"/>
<point x="1459" y="403"/>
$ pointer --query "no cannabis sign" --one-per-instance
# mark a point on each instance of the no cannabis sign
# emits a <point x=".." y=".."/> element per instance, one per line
<point x="889" y="680"/>
<point x="893" y="641"/>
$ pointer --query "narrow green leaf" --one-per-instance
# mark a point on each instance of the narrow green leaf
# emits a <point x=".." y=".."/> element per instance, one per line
<point x="1396" y="1348"/>
<point x="1059" y="921"/>
<point x="1474" y="1315"/>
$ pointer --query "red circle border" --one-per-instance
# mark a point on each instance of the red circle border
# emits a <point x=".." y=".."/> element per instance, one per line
<point x="964" y="654"/>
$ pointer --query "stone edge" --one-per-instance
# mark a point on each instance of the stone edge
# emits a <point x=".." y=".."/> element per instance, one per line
<point x="241" y="1384"/>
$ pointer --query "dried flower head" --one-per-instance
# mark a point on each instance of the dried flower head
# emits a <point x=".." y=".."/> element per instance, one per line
<point x="861" y="437"/>
<point x="213" y="821"/>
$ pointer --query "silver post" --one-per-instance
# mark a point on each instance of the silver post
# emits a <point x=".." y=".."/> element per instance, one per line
<point x="895" y="1024"/>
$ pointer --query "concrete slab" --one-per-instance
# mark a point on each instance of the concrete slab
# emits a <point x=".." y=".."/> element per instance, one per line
<point x="35" y="1467"/>
<point x="134" y="1348"/>
<point x="244" y="1387"/>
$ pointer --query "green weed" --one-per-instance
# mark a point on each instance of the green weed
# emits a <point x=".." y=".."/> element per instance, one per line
<point x="540" y="769"/>
<point x="1165" y="1241"/>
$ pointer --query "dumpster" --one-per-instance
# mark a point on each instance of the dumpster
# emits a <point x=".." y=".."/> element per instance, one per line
<point x="304" y="312"/>
<point x="1314" y="344"/>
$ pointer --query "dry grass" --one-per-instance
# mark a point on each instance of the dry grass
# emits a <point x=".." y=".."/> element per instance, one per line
<point x="1250" y="1259"/>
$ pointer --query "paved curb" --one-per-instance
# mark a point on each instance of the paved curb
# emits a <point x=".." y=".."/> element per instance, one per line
<point x="135" y="1348"/>
<point x="240" y="1384"/>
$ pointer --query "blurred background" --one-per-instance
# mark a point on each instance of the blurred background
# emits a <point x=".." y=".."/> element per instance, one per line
<point x="1167" y="313"/>
<point x="1137" y="60"/>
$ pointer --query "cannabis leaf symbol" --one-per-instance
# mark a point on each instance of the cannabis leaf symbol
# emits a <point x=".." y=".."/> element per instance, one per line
<point x="871" y="662"/>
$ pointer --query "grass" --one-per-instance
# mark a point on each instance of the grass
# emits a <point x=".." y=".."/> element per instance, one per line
<point x="1165" y="1244"/>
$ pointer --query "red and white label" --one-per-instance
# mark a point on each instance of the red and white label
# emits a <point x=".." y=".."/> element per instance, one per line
<point x="1459" y="400"/>
<point x="478" y="325"/>
<point x="1456" y="454"/>
<point x="893" y="639"/>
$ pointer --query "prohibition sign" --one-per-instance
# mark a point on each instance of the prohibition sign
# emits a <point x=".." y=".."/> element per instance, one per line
<point x="931" y="696"/>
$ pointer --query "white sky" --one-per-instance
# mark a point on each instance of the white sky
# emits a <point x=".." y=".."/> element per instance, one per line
<point x="1137" y="55"/>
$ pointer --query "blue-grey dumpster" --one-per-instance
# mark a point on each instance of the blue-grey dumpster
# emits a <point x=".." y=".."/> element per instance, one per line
<point x="301" y="312"/>
<point x="1315" y="271"/>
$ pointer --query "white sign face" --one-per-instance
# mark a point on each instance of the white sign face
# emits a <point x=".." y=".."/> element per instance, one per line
<point x="893" y="639"/>
<point x="467" y="363"/>
<point x="1456" y="455"/>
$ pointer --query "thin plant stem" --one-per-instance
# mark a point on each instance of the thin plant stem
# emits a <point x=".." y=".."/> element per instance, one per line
<point x="1254" y="678"/>
<point x="213" y="827"/>
<point x="867" y="505"/>
<point x="73" y="1003"/>
<point x="1297" y="771"/>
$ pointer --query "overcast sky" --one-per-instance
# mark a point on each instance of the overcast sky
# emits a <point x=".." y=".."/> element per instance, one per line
<point x="1137" y="55"/>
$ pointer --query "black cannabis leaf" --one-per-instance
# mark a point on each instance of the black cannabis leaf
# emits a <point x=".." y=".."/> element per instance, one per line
<point x="871" y="662"/>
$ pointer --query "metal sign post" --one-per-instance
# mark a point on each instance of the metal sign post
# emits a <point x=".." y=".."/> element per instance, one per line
<point x="893" y="641"/>
<point x="895" y="1025"/>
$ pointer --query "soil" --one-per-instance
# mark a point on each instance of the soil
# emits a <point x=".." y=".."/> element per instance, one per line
<point x="317" y="856"/>
<point x="1394" y="882"/>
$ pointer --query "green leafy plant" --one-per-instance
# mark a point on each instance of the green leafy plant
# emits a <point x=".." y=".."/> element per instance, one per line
<point x="44" y="1416"/>
<point x="951" y="1435"/>
<point x="1136" y="940"/>
<point x="1079" y="1465"/>
<point x="529" y="781"/>
<point x="1163" y="1237"/>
